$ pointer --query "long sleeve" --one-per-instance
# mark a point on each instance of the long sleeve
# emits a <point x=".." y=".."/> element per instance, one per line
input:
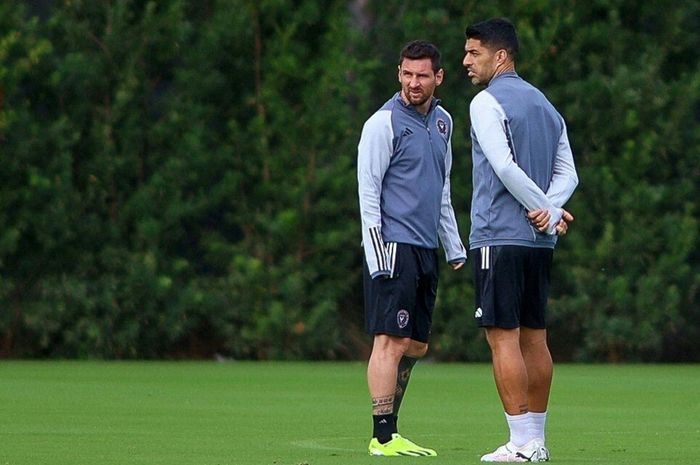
<point x="564" y="179"/>
<point x="373" y="157"/>
<point x="448" y="230"/>
<point x="487" y="123"/>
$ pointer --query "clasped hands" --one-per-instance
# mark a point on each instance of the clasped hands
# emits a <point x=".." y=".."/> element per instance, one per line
<point x="540" y="220"/>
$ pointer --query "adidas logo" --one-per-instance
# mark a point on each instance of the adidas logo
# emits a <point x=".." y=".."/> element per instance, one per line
<point x="382" y="422"/>
<point x="478" y="313"/>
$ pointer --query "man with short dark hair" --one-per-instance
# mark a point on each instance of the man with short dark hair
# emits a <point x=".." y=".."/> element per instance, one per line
<point x="403" y="169"/>
<point x="523" y="174"/>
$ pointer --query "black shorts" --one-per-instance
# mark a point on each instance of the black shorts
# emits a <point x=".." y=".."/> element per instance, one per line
<point x="402" y="305"/>
<point x="511" y="285"/>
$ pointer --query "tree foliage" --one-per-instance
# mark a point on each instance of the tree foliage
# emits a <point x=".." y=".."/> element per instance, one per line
<point x="179" y="177"/>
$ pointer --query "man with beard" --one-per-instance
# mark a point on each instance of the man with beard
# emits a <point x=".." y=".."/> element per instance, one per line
<point x="523" y="174"/>
<point x="404" y="161"/>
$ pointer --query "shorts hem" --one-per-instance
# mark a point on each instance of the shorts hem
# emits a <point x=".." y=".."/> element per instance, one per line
<point x="387" y="333"/>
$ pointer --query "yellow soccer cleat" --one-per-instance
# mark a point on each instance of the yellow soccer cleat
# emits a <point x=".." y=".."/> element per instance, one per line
<point x="399" y="446"/>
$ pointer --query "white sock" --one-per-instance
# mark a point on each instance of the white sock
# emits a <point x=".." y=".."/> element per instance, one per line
<point x="537" y="423"/>
<point x="519" y="428"/>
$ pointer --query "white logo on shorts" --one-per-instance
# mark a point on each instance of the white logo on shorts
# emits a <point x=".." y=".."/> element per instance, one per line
<point x="402" y="318"/>
<point x="477" y="313"/>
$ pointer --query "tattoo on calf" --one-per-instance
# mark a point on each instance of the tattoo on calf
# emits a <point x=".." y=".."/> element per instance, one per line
<point x="382" y="405"/>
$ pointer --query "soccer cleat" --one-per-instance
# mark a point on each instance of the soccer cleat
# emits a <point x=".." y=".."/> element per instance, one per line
<point x="533" y="451"/>
<point x="507" y="453"/>
<point x="542" y="453"/>
<point x="399" y="446"/>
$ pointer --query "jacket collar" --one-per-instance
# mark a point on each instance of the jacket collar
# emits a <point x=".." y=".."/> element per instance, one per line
<point x="505" y="75"/>
<point x="411" y="109"/>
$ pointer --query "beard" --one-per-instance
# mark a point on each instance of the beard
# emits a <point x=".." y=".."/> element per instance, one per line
<point x="416" y="99"/>
<point x="473" y="77"/>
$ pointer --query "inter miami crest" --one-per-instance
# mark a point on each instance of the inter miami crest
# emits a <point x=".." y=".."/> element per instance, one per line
<point x="442" y="127"/>
<point x="402" y="318"/>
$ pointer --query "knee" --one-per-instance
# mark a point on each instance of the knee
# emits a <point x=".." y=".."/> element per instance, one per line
<point x="391" y="345"/>
<point x="417" y="349"/>
<point x="532" y="340"/>
<point x="501" y="340"/>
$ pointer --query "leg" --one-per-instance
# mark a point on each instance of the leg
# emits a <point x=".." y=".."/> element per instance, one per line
<point x="538" y="361"/>
<point x="416" y="350"/>
<point x="392" y="318"/>
<point x="509" y="369"/>
<point x="382" y="375"/>
<point x="425" y="295"/>
<point x="533" y="340"/>
<point x="508" y="301"/>
<point x="533" y="343"/>
<point x="510" y="374"/>
<point x="382" y="371"/>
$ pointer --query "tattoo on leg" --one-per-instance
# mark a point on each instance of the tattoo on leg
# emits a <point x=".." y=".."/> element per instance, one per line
<point x="382" y="405"/>
<point x="405" y="366"/>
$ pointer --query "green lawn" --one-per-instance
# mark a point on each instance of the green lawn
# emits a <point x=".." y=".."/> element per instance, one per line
<point x="151" y="413"/>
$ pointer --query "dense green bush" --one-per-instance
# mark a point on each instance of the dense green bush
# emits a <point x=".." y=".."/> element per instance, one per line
<point x="178" y="177"/>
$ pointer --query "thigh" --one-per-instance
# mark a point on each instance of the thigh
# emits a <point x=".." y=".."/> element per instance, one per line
<point x="390" y="301"/>
<point x="426" y="293"/>
<point x="498" y="285"/>
<point x="536" y="292"/>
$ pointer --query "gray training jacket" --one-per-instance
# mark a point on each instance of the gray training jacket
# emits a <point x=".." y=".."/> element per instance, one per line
<point x="521" y="161"/>
<point x="403" y="172"/>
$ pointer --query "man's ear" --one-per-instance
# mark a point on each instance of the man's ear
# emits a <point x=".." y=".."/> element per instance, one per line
<point x="439" y="76"/>
<point x="398" y="74"/>
<point x="501" y="56"/>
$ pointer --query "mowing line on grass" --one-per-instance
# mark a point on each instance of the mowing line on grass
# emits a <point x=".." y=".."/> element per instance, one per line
<point x="315" y="443"/>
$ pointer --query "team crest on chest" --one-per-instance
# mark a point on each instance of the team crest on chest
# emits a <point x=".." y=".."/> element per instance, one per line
<point x="442" y="127"/>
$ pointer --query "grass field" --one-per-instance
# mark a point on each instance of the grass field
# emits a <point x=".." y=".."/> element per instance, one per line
<point x="209" y="413"/>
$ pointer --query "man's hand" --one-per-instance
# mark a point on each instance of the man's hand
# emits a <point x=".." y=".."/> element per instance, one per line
<point x="540" y="220"/>
<point x="457" y="266"/>
<point x="563" y="224"/>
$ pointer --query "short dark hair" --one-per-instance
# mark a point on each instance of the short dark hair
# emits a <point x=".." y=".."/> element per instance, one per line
<point x="419" y="49"/>
<point x="495" y="33"/>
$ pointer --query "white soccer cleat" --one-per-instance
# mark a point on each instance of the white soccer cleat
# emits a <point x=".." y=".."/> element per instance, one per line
<point x="507" y="453"/>
<point x="542" y="451"/>
<point x="533" y="451"/>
